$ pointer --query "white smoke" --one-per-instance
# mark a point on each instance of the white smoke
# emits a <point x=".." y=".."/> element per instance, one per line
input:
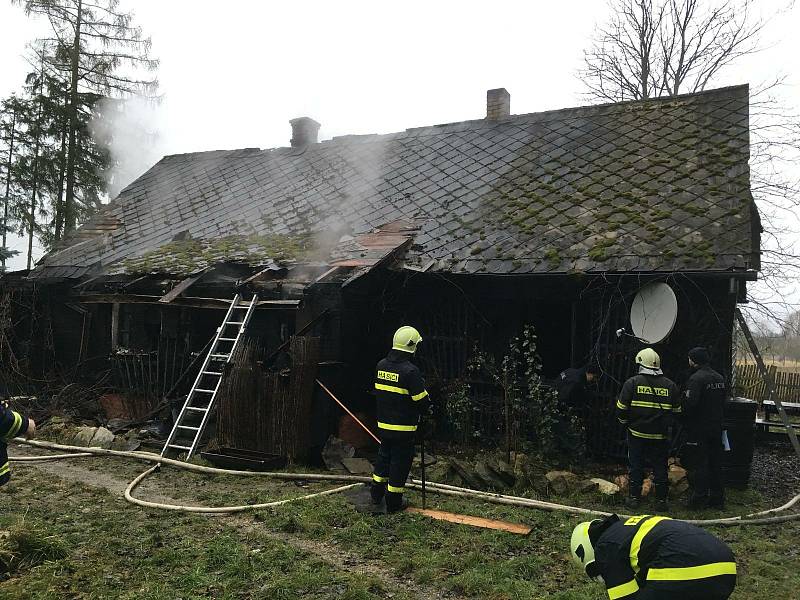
<point x="129" y="130"/>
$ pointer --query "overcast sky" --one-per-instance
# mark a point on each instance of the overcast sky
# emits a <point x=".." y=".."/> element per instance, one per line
<point x="233" y="73"/>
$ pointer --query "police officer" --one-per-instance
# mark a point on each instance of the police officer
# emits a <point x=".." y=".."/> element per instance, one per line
<point x="401" y="398"/>
<point x="703" y="404"/>
<point x="646" y="406"/>
<point x="654" y="558"/>
<point x="571" y="386"/>
<point x="575" y="400"/>
<point x="12" y="424"/>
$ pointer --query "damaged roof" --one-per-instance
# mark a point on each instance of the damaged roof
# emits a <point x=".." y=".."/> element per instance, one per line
<point x="657" y="185"/>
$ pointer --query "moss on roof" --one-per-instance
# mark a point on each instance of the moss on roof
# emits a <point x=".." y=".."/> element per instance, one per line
<point x="189" y="256"/>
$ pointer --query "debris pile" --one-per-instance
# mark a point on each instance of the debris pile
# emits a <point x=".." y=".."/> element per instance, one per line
<point x="65" y="431"/>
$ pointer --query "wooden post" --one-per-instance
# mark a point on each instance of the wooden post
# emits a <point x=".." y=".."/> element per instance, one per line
<point x="114" y="326"/>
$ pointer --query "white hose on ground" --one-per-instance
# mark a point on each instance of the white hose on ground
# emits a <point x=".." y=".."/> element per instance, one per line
<point x="50" y="457"/>
<point x="448" y="490"/>
<point x="218" y="509"/>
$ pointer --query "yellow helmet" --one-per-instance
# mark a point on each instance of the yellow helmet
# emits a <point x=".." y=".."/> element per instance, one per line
<point x="583" y="551"/>
<point x="649" y="359"/>
<point x="406" y="339"/>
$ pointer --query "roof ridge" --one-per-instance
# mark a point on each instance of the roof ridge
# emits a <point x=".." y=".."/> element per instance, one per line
<point x="580" y="111"/>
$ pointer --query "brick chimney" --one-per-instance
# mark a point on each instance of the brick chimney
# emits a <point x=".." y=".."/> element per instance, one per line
<point x="304" y="131"/>
<point x="498" y="104"/>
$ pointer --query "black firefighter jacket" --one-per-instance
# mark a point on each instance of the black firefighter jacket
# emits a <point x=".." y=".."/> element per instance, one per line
<point x="400" y="393"/>
<point x="647" y="405"/>
<point x="667" y="557"/>
<point x="12" y="424"/>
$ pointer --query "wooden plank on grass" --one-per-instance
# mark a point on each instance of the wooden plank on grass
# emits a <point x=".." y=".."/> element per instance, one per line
<point x="473" y="521"/>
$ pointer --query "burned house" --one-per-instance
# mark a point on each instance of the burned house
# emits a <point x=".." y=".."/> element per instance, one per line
<point x="466" y="230"/>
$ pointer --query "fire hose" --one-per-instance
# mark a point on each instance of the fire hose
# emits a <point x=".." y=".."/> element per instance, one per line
<point x="759" y="518"/>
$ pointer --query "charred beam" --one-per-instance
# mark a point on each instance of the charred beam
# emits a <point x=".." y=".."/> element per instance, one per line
<point x="189" y="302"/>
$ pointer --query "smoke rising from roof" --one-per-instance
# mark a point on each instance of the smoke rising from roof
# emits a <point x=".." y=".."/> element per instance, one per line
<point x="129" y="130"/>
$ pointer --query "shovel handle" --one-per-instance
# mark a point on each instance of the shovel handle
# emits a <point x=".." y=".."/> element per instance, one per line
<point x="347" y="410"/>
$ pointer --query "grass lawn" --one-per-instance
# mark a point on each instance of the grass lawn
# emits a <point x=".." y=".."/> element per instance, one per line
<point x="71" y="540"/>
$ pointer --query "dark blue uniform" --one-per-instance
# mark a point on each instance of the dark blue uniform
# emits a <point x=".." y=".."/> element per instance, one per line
<point x="647" y="405"/>
<point x="703" y="405"/>
<point x="656" y="558"/>
<point x="12" y="424"/>
<point x="400" y="397"/>
<point x="571" y="388"/>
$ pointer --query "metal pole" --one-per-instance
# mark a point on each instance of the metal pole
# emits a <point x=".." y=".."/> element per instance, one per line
<point x="422" y="452"/>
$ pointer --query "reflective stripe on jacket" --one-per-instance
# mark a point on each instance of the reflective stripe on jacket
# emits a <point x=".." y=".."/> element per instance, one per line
<point x="651" y="551"/>
<point x="399" y="393"/>
<point x="647" y="404"/>
<point x="12" y="424"/>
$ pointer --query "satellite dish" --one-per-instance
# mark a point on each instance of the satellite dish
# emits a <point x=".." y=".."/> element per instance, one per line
<point x="654" y="312"/>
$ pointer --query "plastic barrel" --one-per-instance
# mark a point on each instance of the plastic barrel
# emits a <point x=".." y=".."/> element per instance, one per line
<point x="740" y="415"/>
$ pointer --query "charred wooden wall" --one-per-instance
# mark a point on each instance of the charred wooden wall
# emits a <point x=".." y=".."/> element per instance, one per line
<point x="270" y="410"/>
<point x="576" y="319"/>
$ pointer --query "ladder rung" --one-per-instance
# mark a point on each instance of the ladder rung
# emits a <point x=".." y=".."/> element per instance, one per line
<point x="205" y="391"/>
<point x="179" y="447"/>
<point x="211" y="373"/>
<point x="187" y="427"/>
<point x="227" y="339"/>
<point x="225" y="356"/>
<point x="197" y="409"/>
<point x="241" y="307"/>
<point x="233" y="323"/>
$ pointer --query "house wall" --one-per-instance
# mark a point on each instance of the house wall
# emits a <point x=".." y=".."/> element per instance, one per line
<point x="576" y="319"/>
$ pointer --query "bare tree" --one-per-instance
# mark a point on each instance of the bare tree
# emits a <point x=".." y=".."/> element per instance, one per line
<point x="657" y="48"/>
<point x="654" y="48"/>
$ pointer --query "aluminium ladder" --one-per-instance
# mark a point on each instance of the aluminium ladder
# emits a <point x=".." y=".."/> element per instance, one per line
<point x="193" y="418"/>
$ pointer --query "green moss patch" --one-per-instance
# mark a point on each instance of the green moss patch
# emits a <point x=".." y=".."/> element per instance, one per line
<point x="189" y="256"/>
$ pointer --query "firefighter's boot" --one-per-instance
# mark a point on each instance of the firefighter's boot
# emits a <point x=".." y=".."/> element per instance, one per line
<point x="377" y="491"/>
<point x="395" y="502"/>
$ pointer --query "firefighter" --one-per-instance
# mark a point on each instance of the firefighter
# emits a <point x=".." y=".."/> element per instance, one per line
<point x="703" y="405"/>
<point x="646" y="406"/>
<point x="401" y="398"/>
<point x="654" y="558"/>
<point x="12" y="424"/>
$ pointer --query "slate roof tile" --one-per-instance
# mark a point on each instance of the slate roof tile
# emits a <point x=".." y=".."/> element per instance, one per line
<point x="655" y="185"/>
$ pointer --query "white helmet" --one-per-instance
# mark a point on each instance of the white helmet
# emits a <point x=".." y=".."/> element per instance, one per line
<point x="649" y="359"/>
